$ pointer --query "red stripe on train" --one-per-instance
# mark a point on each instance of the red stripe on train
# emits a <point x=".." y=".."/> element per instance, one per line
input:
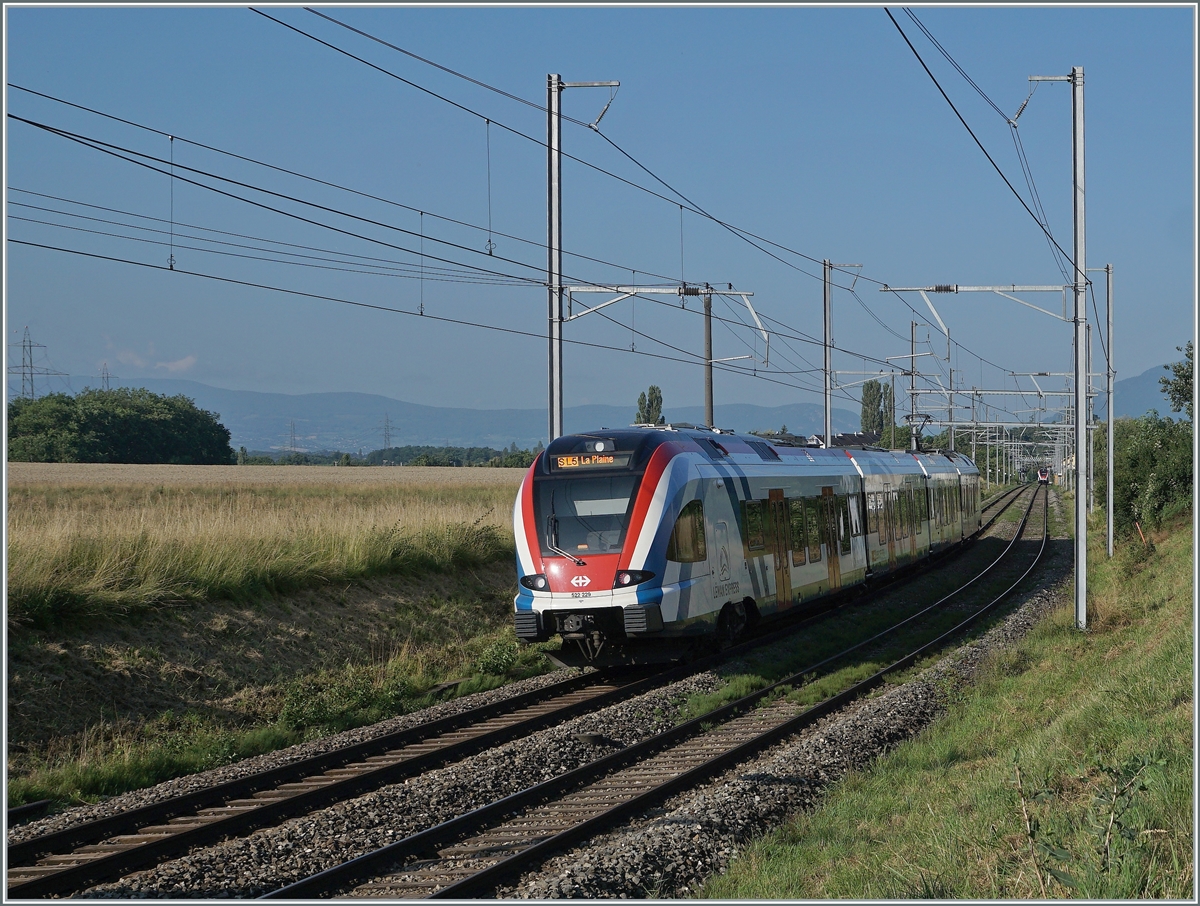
<point x="531" y="535"/>
<point x="650" y="480"/>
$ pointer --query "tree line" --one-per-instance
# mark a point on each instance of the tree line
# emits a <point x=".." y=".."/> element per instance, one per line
<point x="130" y="425"/>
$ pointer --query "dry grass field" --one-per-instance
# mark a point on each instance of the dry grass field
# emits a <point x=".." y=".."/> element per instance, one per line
<point x="92" y="474"/>
<point x="179" y="617"/>
<point x="101" y="539"/>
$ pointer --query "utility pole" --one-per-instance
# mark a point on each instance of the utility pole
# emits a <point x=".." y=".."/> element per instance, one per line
<point x="950" y="409"/>
<point x="706" y="292"/>
<point x="828" y="273"/>
<point x="828" y="360"/>
<point x="1079" y="279"/>
<point x="554" y="246"/>
<point x="709" y="418"/>
<point x="28" y="370"/>
<point x="387" y="432"/>
<point x="912" y="389"/>
<point x="1108" y="270"/>
<point x="104" y="375"/>
<point x="974" y="431"/>
<point x="554" y="89"/>
<point x="892" y="415"/>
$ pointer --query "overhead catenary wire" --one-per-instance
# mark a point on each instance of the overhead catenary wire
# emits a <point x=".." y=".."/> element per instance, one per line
<point x="971" y="132"/>
<point x="317" y="180"/>
<point x="1018" y="146"/>
<point x="385" y="264"/>
<point x="692" y="360"/>
<point x="174" y="244"/>
<point x="518" y="282"/>
<point x="416" y="210"/>
<point x="691" y="206"/>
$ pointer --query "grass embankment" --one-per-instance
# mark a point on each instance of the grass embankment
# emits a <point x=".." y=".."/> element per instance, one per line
<point x="102" y="549"/>
<point x="1066" y="771"/>
<point x="161" y="627"/>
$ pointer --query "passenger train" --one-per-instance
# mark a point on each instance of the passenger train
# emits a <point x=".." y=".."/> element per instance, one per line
<point x="643" y="544"/>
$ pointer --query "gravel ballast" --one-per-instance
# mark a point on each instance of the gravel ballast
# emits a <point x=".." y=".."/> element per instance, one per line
<point x="180" y="786"/>
<point x="273" y="857"/>
<point x="670" y="852"/>
<point x="663" y="854"/>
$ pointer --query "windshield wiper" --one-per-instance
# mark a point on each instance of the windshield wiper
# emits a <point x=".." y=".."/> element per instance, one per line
<point x="552" y="536"/>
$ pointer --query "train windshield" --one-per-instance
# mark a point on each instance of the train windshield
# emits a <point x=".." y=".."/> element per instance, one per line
<point x="585" y="514"/>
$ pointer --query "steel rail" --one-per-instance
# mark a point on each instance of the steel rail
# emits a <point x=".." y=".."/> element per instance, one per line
<point x="59" y="845"/>
<point x="488" y="876"/>
<point x="426" y="841"/>
<point x="188" y="829"/>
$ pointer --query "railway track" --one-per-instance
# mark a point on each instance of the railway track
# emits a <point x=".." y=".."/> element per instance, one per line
<point x="73" y="859"/>
<point x="469" y="855"/>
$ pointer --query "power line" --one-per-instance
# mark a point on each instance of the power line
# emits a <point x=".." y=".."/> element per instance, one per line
<point x="375" y="307"/>
<point x="691" y="205"/>
<point x="386" y="261"/>
<point x="779" y="333"/>
<point x="327" y="267"/>
<point x="995" y="166"/>
<point x="314" y="179"/>
<point x="113" y="149"/>
<point x="742" y="233"/>
<point x="1026" y="170"/>
<point x="695" y="209"/>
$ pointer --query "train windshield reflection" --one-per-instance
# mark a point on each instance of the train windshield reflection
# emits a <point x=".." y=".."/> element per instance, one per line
<point x="584" y="515"/>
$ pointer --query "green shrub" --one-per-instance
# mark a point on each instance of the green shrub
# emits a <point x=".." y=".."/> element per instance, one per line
<point x="498" y="658"/>
<point x="1152" y="471"/>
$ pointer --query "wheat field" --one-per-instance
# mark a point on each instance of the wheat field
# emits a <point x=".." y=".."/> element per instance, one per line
<point x="100" y="539"/>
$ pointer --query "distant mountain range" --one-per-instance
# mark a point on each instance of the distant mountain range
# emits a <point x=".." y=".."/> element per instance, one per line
<point x="354" y="421"/>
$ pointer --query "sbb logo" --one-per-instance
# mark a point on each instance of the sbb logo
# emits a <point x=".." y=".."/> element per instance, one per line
<point x="581" y="581"/>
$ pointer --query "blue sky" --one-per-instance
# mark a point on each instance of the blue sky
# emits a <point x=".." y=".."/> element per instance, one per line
<point x="815" y="128"/>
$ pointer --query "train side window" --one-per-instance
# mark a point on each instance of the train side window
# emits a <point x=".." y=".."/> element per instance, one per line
<point x="752" y="518"/>
<point x="872" y="512"/>
<point x="901" y="516"/>
<point x="799" y="541"/>
<point x="813" y="520"/>
<point x="687" y="538"/>
<point x="856" y="527"/>
<point x="913" y="515"/>
<point x="884" y="517"/>
<point x="843" y="519"/>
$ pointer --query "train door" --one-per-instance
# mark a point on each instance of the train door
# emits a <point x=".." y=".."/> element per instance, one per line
<point x="781" y="543"/>
<point x="887" y="519"/>
<point x="914" y="523"/>
<point x="829" y="535"/>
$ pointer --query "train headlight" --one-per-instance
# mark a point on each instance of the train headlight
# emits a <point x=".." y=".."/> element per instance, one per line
<point x="629" y="577"/>
<point x="537" y="582"/>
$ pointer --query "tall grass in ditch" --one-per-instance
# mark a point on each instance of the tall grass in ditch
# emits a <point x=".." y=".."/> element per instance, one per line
<point x="102" y="550"/>
<point x="1065" y="772"/>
